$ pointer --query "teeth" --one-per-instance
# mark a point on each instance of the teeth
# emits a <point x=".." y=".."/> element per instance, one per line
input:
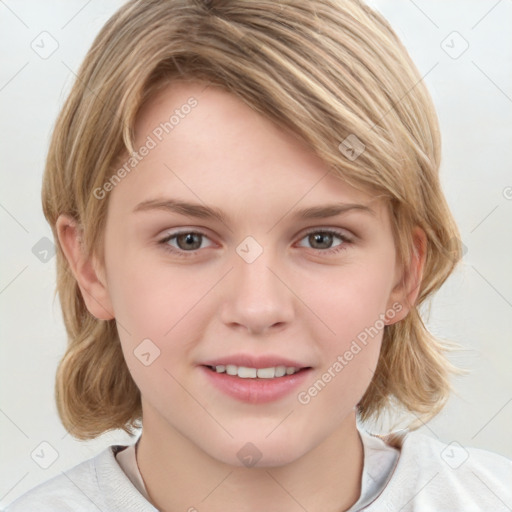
<point x="252" y="373"/>
<point x="231" y="369"/>
<point x="266" y="373"/>
<point x="247" y="373"/>
<point x="280" y="371"/>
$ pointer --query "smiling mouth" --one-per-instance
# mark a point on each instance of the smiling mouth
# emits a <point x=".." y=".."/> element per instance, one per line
<point x="244" y="372"/>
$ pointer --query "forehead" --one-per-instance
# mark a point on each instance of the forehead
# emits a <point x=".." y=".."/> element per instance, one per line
<point x="207" y="145"/>
<point x="219" y="127"/>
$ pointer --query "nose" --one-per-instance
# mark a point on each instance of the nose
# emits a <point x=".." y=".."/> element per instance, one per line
<point x="257" y="298"/>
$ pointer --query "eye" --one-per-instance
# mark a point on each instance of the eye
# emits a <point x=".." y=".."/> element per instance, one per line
<point x="186" y="242"/>
<point x="322" y="240"/>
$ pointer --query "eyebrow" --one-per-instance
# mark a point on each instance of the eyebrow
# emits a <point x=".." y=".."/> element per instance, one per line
<point x="207" y="212"/>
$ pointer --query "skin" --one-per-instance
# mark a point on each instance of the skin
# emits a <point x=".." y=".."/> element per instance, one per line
<point x="295" y="300"/>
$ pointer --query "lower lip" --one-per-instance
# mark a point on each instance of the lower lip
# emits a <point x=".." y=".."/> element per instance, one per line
<point x="256" y="391"/>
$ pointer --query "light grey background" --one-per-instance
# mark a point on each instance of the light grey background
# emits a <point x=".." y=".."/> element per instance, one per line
<point x="473" y="94"/>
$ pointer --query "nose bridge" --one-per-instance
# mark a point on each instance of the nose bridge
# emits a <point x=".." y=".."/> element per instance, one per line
<point x="257" y="299"/>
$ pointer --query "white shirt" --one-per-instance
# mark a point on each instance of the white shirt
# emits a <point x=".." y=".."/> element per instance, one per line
<point x="406" y="473"/>
<point x="379" y="462"/>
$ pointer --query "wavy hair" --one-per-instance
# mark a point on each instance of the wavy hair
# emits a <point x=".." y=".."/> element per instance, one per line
<point x="324" y="69"/>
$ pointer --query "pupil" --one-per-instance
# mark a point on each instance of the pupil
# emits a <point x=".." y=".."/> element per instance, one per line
<point x="324" y="239"/>
<point x="188" y="240"/>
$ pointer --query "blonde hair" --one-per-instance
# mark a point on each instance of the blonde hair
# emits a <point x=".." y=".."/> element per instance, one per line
<point x="325" y="70"/>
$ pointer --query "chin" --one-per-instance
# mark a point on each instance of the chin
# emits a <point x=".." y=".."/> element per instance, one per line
<point x="259" y="454"/>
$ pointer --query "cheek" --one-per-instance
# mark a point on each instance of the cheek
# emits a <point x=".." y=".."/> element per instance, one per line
<point x="353" y="299"/>
<point x="161" y="318"/>
<point x="354" y="312"/>
<point x="351" y="305"/>
<point x="152" y="299"/>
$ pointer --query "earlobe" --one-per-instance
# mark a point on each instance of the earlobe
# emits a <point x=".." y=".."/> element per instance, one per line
<point x="94" y="290"/>
<point x="407" y="290"/>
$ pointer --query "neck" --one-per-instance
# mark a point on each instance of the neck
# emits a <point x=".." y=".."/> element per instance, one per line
<point x="178" y="475"/>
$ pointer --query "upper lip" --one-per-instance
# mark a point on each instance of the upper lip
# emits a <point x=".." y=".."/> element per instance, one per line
<point x="249" y="361"/>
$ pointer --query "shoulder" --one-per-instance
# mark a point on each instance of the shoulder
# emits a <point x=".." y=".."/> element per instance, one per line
<point x="69" y="490"/>
<point x="95" y="484"/>
<point x="433" y="475"/>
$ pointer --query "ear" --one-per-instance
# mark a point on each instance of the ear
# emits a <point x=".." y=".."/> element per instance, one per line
<point x="407" y="288"/>
<point x="92" y="284"/>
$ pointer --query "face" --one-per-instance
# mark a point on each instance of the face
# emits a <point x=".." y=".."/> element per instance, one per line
<point x="274" y="280"/>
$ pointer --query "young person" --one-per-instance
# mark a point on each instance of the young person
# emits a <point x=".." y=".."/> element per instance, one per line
<point x="248" y="213"/>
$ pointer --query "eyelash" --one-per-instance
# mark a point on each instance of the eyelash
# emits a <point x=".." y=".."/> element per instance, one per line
<point x="179" y="252"/>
